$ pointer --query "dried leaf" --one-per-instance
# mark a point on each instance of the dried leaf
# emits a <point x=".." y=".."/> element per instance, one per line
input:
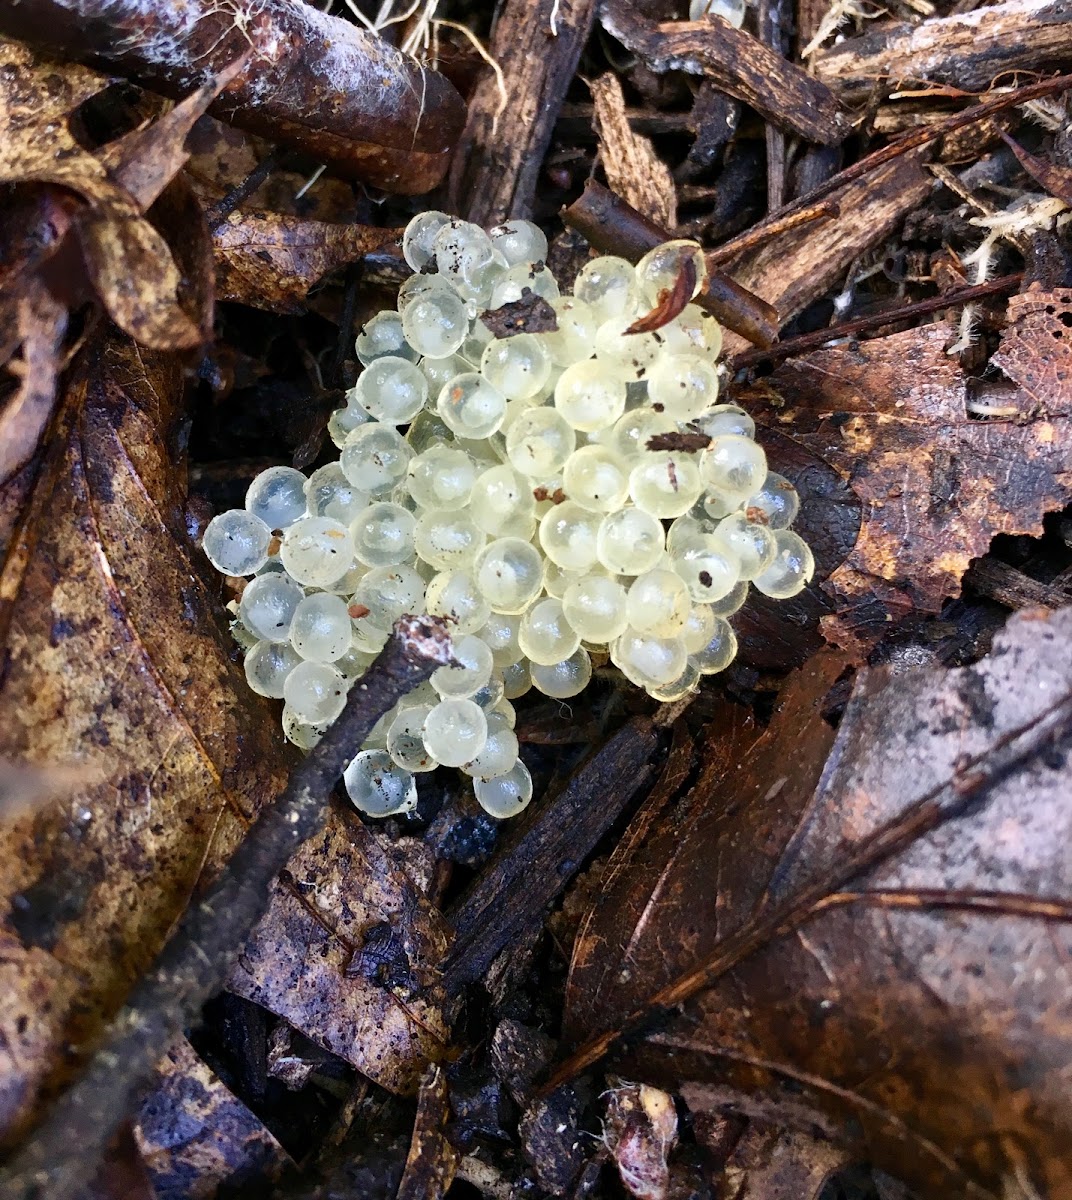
<point x="1036" y="349"/>
<point x="890" y="416"/>
<point x="144" y="161"/>
<point x="128" y="262"/>
<point x="270" y="260"/>
<point x="196" y="1136"/>
<point x="115" y="664"/>
<point x="681" y="441"/>
<point x="879" y="922"/>
<point x="348" y="954"/>
<point x="634" y="171"/>
<point x="42" y="322"/>
<point x="775" y="1163"/>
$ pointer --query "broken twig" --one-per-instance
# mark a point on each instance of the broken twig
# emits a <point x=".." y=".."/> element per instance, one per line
<point x="876" y="320"/>
<point x="614" y="227"/>
<point x="62" y="1156"/>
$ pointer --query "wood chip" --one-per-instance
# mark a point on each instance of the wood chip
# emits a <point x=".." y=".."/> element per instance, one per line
<point x="633" y="168"/>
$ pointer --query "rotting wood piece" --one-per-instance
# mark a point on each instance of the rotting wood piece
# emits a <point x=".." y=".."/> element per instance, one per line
<point x="736" y="63"/>
<point x="792" y="270"/>
<point x="519" y="883"/>
<point x="991" y="577"/>
<point x="615" y="227"/>
<point x="633" y="168"/>
<point x="968" y="50"/>
<point x="321" y="84"/>
<point x="537" y="46"/>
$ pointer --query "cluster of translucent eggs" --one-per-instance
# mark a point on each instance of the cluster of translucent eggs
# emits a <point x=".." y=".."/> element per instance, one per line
<point x="555" y="494"/>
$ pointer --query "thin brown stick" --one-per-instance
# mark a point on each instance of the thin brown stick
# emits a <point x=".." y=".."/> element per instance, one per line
<point x="63" y="1154"/>
<point x="813" y="341"/>
<point x="615" y="227"/>
<point x="824" y="211"/>
<point x="998" y="904"/>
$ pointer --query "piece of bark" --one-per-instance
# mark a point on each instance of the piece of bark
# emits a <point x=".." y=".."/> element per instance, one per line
<point x="737" y="63"/>
<point x="967" y="50"/>
<point x="615" y="227"/>
<point x="319" y="83"/>
<point x="798" y="267"/>
<point x="523" y="880"/>
<point x="991" y="577"/>
<point x="577" y="122"/>
<point x="537" y="44"/>
<point x="632" y="167"/>
<point x="432" y="1160"/>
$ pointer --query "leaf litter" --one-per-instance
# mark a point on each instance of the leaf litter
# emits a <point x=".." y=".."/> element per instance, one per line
<point x="844" y="983"/>
<point x="853" y="917"/>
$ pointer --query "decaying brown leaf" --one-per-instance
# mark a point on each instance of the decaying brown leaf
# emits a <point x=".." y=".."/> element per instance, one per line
<point x="195" y="1135"/>
<point x="1036" y="352"/>
<point x="671" y="302"/>
<point x="348" y="953"/>
<point x="127" y="260"/>
<point x="530" y="314"/>
<point x="270" y="260"/>
<point x="115" y="664"/>
<point x="41" y="324"/>
<point x="634" y="171"/>
<point x="881" y="934"/>
<point x="891" y="416"/>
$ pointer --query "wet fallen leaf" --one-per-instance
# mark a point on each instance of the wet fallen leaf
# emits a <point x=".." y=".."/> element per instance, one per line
<point x="348" y="954"/>
<point x="935" y="483"/>
<point x="671" y="302"/>
<point x="1036" y="351"/>
<point x="196" y="1136"/>
<point x="270" y="260"/>
<point x="41" y="324"/>
<point x="530" y="314"/>
<point x="869" y="932"/>
<point x="117" y="666"/>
